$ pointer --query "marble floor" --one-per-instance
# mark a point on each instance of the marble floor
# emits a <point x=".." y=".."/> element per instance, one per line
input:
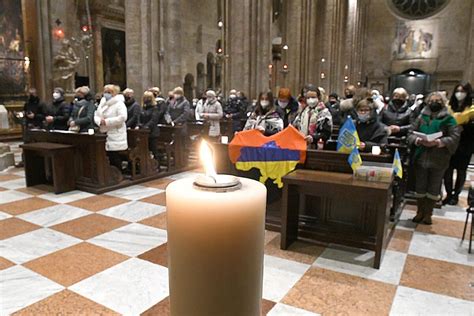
<point x="83" y="254"/>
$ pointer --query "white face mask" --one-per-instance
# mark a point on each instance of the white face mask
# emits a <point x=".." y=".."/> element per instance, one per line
<point x="282" y="104"/>
<point x="264" y="103"/>
<point x="312" y="101"/>
<point x="460" y="95"/>
<point x="232" y="96"/>
<point x="56" y="95"/>
<point x="177" y="96"/>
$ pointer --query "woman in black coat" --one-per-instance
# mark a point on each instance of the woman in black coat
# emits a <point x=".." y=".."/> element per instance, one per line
<point x="371" y="132"/>
<point x="149" y="118"/>
<point x="57" y="113"/>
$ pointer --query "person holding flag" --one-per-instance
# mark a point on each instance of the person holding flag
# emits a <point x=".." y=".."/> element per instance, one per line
<point x="348" y="142"/>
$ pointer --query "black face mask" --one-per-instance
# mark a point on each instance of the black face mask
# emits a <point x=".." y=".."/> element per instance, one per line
<point x="348" y="96"/>
<point x="332" y="102"/>
<point x="435" y="106"/>
<point x="127" y="99"/>
<point x="397" y="102"/>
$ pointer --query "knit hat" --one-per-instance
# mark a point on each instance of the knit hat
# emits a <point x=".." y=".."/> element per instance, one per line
<point x="284" y="93"/>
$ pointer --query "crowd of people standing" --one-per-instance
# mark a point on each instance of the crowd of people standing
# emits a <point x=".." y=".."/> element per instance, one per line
<point x="312" y="112"/>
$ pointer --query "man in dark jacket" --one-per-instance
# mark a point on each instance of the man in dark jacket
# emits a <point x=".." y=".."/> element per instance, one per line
<point x="34" y="110"/>
<point x="179" y="109"/>
<point x="57" y="113"/>
<point x="82" y="116"/>
<point x="133" y="108"/>
<point x="371" y="132"/>
<point x="149" y="119"/>
<point x="234" y="109"/>
<point x="398" y="115"/>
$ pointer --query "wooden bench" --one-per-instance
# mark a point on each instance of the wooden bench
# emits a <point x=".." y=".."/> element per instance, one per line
<point x="42" y="157"/>
<point x="172" y="142"/>
<point x="138" y="154"/>
<point x="335" y="208"/>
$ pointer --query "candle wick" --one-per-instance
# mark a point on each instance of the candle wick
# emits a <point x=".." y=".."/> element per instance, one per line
<point x="213" y="178"/>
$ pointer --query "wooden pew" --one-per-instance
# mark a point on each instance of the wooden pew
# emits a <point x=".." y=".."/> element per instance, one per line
<point x="91" y="166"/>
<point x="138" y="154"/>
<point x="172" y="142"/>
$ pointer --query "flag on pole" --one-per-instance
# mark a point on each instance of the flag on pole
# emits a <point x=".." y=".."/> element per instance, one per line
<point x="348" y="142"/>
<point x="397" y="164"/>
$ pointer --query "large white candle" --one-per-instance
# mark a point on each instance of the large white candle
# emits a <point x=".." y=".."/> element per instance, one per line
<point x="215" y="247"/>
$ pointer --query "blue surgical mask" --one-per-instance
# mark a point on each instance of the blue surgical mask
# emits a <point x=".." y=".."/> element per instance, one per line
<point x="107" y="96"/>
<point x="363" y="118"/>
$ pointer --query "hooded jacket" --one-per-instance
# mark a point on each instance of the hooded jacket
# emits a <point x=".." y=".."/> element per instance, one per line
<point x="434" y="157"/>
<point x="114" y="112"/>
<point x="402" y="116"/>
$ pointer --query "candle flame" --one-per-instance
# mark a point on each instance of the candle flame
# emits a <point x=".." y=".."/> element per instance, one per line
<point x="207" y="159"/>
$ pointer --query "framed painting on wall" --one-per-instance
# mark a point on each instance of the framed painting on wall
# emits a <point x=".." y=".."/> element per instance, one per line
<point x="12" y="55"/>
<point x="113" y="57"/>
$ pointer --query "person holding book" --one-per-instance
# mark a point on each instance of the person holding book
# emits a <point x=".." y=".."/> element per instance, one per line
<point x="462" y="109"/>
<point x="432" y="157"/>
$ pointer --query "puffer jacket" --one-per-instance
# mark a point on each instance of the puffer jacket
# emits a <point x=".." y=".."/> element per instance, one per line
<point x="114" y="112"/>
<point x="133" y="112"/>
<point x="214" y="113"/>
<point x="434" y="157"/>
<point x="402" y="117"/>
<point x="59" y="110"/>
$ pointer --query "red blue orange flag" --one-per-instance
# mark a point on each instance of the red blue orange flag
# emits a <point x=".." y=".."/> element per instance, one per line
<point x="275" y="156"/>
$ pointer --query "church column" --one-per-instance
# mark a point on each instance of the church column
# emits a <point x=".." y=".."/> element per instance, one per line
<point x="142" y="23"/>
<point x="172" y="36"/>
<point x="44" y="49"/>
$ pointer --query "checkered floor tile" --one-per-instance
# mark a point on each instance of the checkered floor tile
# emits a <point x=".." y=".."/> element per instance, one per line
<point x="78" y="253"/>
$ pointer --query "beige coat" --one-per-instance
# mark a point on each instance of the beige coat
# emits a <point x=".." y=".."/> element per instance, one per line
<point x="214" y="114"/>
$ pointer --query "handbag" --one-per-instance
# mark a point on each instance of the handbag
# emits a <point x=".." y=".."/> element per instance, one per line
<point x="76" y="128"/>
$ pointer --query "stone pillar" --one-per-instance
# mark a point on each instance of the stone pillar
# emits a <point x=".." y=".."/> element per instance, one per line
<point x="469" y="73"/>
<point x="172" y="36"/>
<point x="142" y="22"/>
<point x="249" y="45"/>
<point x="44" y="50"/>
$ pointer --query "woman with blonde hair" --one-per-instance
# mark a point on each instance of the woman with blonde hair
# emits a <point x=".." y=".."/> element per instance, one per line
<point x="110" y="116"/>
<point x="431" y="158"/>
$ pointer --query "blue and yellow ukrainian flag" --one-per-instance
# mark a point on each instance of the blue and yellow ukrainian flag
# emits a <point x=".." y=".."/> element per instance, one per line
<point x="397" y="164"/>
<point x="274" y="156"/>
<point x="348" y="142"/>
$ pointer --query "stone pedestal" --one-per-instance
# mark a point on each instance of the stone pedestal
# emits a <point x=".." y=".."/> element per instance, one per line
<point x="7" y="158"/>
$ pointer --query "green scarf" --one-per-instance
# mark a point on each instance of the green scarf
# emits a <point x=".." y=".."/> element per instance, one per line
<point x="431" y="126"/>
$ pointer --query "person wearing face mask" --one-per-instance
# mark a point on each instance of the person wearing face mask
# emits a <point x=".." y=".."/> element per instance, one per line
<point x="398" y="115"/>
<point x="34" y="110"/>
<point x="149" y="117"/>
<point x="431" y="158"/>
<point x="371" y="132"/>
<point x="57" y="113"/>
<point x="334" y="108"/>
<point x="82" y="115"/>
<point x="315" y="121"/>
<point x="212" y="112"/>
<point x="178" y="107"/>
<point x="111" y="116"/>
<point x="462" y="108"/>
<point x="235" y="110"/>
<point x="133" y="108"/>
<point x="287" y="106"/>
<point x="378" y="101"/>
<point x="265" y="118"/>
